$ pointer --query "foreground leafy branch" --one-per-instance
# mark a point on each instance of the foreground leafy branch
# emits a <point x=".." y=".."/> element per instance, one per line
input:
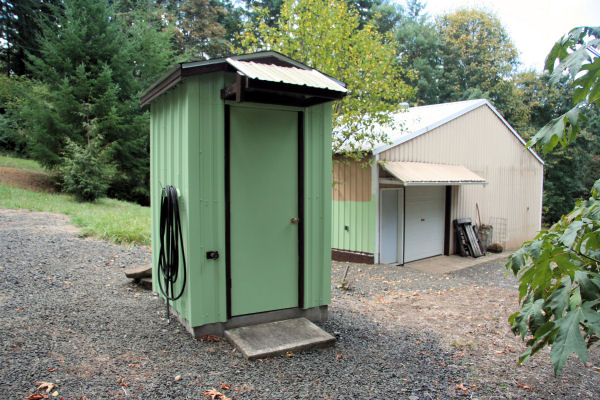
<point x="559" y="271"/>
<point x="559" y="288"/>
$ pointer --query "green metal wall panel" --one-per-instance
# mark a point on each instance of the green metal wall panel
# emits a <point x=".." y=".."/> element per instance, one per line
<point x="359" y="217"/>
<point x="317" y="205"/>
<point x="187" y="151"/>
<point x="207" y="195"/>
<point x="167" y="165"/>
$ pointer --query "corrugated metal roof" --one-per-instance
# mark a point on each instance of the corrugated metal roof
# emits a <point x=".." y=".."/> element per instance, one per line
<point x="414" y="173"/>
<point x="290" y="75"/>
<point x="416" y="121"/>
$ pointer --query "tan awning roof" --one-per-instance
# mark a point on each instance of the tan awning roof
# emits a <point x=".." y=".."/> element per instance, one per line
<point x="414" y="173"/>
<point x="290" y="75"/>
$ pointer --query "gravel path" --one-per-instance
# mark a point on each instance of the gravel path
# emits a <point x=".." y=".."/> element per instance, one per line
<point x="69" y="316"/>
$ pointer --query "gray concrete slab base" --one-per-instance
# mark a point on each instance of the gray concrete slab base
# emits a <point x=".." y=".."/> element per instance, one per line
<point x="272" y="338"/>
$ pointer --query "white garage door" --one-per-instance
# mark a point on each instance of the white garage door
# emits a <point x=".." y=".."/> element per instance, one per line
<point x="424" y="219"/>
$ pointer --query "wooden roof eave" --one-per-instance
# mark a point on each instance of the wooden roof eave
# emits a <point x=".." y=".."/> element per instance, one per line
<point x="258" y="91"/>
<point x="174" y="76"/>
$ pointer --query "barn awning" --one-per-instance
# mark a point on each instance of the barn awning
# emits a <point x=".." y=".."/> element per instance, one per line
<point x="414" y="173"/>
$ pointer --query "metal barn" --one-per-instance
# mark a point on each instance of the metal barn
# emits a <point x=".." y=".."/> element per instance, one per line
<point x="444" y="161"/>
<point x="246" y="142"/>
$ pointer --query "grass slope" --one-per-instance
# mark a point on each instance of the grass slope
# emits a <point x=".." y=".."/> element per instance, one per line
<point x="118" y="221"/>
<point x="12" y="162"/>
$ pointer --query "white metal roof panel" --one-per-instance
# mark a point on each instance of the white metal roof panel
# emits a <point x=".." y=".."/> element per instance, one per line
<point x="416" y="121"/>
<point x="290" y="75"/>
<point x="414" y="173"/>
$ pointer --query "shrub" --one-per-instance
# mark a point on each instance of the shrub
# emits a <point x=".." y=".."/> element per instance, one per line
<point x="85" y="172"/>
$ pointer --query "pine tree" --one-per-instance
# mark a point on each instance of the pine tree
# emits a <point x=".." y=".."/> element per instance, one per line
<point x="95" y="63"/>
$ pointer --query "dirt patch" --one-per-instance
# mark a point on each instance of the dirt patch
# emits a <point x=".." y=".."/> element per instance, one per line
<point x="26" y="179"/>
<point x="472" y="323"/>
<point x="37" y="222"/>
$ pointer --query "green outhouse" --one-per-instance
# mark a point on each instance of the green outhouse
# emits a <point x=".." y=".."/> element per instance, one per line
<point x="244" y="142"/>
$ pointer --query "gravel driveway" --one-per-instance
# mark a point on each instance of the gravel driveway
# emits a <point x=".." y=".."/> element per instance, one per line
<point x="68" y="316"/>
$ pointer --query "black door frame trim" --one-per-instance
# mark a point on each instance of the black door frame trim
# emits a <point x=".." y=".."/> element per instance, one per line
<point x="447" y="210"/>
<point x="228" y="208"/>
<point x="301" y="209"/>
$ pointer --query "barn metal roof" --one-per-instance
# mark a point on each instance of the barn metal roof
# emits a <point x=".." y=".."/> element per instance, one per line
<point x="416" y="121"/>
<point x="419" y="120"/>
<point x="414" y="174"/>
<point x="290" y="75"/>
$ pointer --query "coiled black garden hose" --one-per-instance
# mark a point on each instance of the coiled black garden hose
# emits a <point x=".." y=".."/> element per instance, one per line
<point x="170" y="240"/>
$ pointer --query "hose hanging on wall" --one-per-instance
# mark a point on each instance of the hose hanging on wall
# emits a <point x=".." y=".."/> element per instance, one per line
<point x="170" y="240"/>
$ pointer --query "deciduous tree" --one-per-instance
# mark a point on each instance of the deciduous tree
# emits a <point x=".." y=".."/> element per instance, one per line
<point x="559" y="271"/>
<point x="326" y="35"/>
<point x="476" y="53"/>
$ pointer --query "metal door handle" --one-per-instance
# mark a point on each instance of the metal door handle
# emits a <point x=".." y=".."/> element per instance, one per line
<point x="294" y="220"/>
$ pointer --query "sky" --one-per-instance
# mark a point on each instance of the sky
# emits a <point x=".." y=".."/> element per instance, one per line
<point x="533" y="25"/>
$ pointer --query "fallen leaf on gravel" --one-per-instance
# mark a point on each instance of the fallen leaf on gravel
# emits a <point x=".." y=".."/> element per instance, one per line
<point x="225" y="386"/>
<point x="339" y="356"/>
<point x="46" y="385"/>
<point x="36" y="396"/>
<point x="210" y="338"/>
<point x="462" y="387"/>
<point x="289" y="354"/>
<point x="214" y="394"/>
<point x="122" y="382"/>
<point x="51" y="369"/>
<point x="524" y="386"/>
<point x="178" y="378"/>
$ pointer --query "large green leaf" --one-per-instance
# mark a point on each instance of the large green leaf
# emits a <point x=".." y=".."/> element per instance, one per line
<point x="516" y="261"/>
<point x="531" y="317"/>
<point x="558" y="301"/>
<point x="591" y="317"/>
<point x="562" y="129"/>
<point x="542" y="337"/>
<point x="569" y="339"/>
<point x="589" y="285"/>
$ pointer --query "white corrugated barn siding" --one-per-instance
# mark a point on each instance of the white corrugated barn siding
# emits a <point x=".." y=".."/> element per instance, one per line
<point x="480" y="141"/>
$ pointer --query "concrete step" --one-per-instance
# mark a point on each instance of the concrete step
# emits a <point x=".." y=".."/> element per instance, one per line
<point x="139" y="271"/>
<point x="272" y="338"/>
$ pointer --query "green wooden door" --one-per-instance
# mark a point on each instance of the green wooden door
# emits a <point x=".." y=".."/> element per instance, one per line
<point x="263" y="201"/>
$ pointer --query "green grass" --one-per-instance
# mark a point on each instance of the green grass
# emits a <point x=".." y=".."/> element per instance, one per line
<point x="114" y="220"/>
<point x="12" y="162"/>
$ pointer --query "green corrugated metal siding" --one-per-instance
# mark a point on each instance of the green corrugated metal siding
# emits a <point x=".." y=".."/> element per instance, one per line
<point x="317" y="205"/>
<point x="359" y="216"/>
<point x="187" y="148"/>
<point x="168" y="166"/>
<point x="207" y="193"/>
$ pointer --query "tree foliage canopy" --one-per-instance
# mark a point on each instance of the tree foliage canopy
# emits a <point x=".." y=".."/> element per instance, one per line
<point x="326" y="35"/>
<point x="95" y="62"/>
<point x="559" y="271"/>
<point x="476" y="52"/>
